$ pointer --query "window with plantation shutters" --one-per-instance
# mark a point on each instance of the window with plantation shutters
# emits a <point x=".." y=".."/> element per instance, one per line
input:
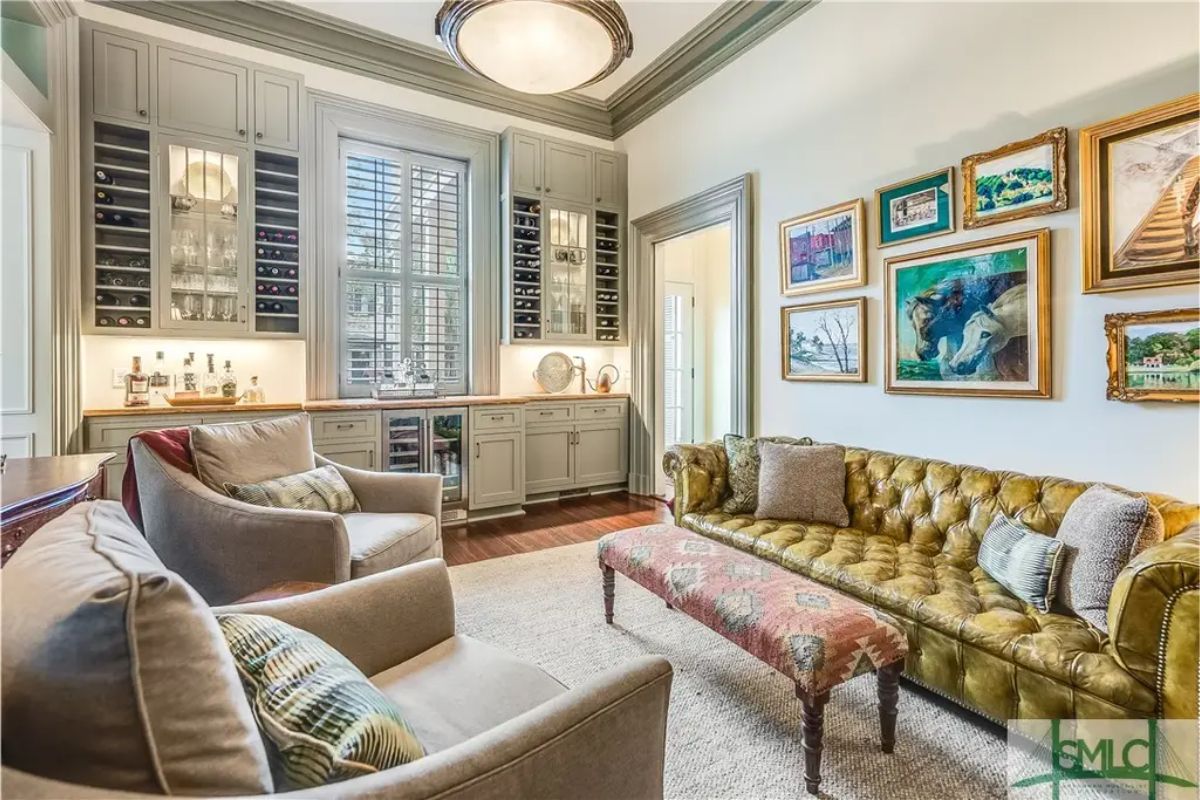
<point x="403" y="274"/>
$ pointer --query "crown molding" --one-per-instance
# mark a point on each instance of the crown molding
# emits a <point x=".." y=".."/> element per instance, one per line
<point x="319" y="38"/>
<point x="53" y="12"/>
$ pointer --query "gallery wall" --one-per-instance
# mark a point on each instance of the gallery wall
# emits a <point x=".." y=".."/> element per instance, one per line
<point x="851" y="97"/>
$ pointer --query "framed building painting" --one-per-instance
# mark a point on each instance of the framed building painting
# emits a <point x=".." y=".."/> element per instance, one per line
<point x="1022" y="179"/>
<point x="1154" y="355"/>
<point x="824" y="250"/>
<point x="915" y="209"/>
<point x="825" y="341"/>
<point x="1140" y="214"/>
<point x="970" y="319"/>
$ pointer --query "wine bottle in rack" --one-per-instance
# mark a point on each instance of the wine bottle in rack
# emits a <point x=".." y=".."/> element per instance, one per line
<point x="138" y="300"/>
<point x="104" y="198"/>
<point x="103" y="177"/>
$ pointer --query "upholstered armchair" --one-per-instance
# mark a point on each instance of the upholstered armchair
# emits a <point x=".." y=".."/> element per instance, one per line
<point x="227" y="549"/>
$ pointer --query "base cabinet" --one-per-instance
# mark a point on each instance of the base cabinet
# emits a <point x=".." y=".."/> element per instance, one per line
<point x="590" y="449"/>
<point x="549" y="458"/>
<point x="497" y="469"/>
<point x="358" y="455"/>
<point x="601" y="453"/>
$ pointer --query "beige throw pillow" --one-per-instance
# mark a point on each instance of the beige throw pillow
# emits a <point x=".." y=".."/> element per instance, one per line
<point x="252" y="452"/>
<point x="802" y="482"/>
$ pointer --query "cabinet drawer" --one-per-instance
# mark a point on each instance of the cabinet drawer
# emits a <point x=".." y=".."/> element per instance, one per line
<point x="344" y="426"/>
<point x="496" y="418"/>
<point x="546" y="412"/>
<point x="595" y="410"/>
<point x="115" y="433"/>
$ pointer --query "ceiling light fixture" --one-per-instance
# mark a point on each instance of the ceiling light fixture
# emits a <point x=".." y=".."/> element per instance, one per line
<point x="536" y="46"/>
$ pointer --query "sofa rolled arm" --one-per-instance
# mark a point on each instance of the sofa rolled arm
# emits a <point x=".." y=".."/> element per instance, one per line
<point x="1152" y="615"/>
<point x="700" y="475"/>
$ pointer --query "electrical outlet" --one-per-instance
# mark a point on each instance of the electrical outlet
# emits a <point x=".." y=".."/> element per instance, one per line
<point x="119" y="377"/>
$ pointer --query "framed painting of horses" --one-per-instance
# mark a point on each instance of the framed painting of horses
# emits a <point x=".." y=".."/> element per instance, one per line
<point x="1154" y="355"/>
<point x="970" y="319"/>
<point x="1140" y="212"/>
<point x="1018" y="180"/>
<point x="824" y="250"/>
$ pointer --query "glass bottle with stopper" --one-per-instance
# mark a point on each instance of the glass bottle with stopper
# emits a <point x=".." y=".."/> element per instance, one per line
<point x="255" y="393"/>
<point x="160" y="380"/>
<point x="228" y="382"/>
<point x="211" y="385"/>
<point x="137" y="385"/>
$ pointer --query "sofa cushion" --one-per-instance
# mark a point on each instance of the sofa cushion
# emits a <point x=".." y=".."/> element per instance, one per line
<point x="327" y="722"/>
<point x="1023" y="561"/>
<point x="320" y="489"/>
<point x="380" y="542"/>
<point x="806" y="483"/>
<point x="250" y="452"/>
<point x="741" y="453"/>
<point x="462" y="687"/>
<point x="115" y="673"/>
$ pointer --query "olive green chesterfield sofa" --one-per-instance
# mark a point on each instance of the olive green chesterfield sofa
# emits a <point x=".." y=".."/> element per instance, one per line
<point x="910" y="550"/>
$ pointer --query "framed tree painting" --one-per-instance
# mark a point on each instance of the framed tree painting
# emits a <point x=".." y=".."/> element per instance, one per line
<point x="825" y="341"/>
<point x="916" y="209"/>
<point x="823" y="250"/>
<point x="970" y="319"/>
<point x="1140" y="214"/>
<point x="1022" y="179"/>
<point x="1154" y="355"/>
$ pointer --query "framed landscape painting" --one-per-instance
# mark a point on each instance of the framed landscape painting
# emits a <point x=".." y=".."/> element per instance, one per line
<point x="1154" y="355"/>
<point x="970" y="319"/>
<point x="825" y="341"/>
<point x="1140" y="211"/>
<point x="1022" y="179"/>
<point x="916" y="208"/>
<point x="823" y="250"/>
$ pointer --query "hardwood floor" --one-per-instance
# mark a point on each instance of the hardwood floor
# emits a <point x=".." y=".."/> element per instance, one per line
<point x="549" y="525"/>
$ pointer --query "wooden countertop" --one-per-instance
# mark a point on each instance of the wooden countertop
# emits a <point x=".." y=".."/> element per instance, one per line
<point x="30" y="479"/>
<point x="356" y="404"/>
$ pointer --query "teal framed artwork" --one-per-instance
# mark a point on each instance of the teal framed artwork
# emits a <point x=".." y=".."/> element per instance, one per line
<point x="916" y="208"/>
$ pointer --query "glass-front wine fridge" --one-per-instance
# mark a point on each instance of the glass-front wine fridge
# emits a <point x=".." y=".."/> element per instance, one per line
<point x="429" y="440"/>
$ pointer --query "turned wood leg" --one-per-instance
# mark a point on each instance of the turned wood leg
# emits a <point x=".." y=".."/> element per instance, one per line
<point x="812" y="730"/>
<point x="889" y="693"/>
<point x="609" y="581"/>
<point x="669" y="605"/>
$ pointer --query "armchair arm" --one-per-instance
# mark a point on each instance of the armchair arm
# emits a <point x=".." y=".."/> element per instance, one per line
<point x="392" y="493"/>
<point x="700" y="473"/>
<point x="227" y="549"/>
<point x="1152" y="615"/>
<point x="377" y="621"/>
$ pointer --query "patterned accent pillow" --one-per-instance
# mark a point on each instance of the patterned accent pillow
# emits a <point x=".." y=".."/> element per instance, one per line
<point x="1023" y="561"/>
<point x="320" y="489"/>
<point x="326" y="721"/>
<point x="803" y="483"/>
<point x="742" y="454"/>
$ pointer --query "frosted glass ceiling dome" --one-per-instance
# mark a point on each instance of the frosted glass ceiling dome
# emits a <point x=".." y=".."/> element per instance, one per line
<point x="536" y="46"/>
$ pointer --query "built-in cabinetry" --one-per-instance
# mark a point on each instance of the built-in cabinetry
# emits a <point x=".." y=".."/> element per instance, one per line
<point x="497" y="456"/>
<point x="193" y="225"/>
<point x="576" y="445"/>
<point x="564" y="250"/>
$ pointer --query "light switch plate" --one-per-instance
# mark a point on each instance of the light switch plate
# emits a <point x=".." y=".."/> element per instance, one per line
<point x="119" y="377"/>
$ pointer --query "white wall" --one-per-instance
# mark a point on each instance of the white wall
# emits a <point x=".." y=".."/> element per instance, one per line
<point x="853" y="96"/>
<point x="518" y="361"/>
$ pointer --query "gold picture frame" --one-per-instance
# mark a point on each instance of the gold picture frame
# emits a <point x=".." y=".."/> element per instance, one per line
<point x="1100" y="270"/>
<point x="836" y="337"/>
<point x="974" y="217"/>
<point x="1116" y="328"/>
<point x="1038" y="369"/>
<point x="855" y="211"/>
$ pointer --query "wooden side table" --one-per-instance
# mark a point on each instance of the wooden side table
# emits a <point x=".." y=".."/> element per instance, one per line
<point x="34" y="491"/>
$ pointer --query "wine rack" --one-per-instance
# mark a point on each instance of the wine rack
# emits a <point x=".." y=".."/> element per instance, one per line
<point x="121" y="227"/>
<point x="526" y="270"/>
<point x="608" y="277"/>
<point x="276" y="243"/>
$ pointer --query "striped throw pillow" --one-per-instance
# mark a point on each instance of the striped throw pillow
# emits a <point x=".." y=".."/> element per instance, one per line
<point x="1023" y="561"/>
<point x="326" y="720"/>
<point x="320" y="489"/>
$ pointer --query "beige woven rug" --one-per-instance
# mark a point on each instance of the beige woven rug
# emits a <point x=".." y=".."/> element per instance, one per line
<point x="734" y="724"/>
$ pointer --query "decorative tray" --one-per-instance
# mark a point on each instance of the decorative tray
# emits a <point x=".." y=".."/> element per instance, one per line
<point x="180" y="402"/>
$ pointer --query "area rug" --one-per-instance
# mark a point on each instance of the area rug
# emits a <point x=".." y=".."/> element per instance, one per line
<point x="734" y="723"/>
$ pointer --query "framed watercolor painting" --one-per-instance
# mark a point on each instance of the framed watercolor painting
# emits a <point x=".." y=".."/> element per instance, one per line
<point x="1019" y="180"/>
<point x="1154" y="355"/>
<point x="824" y="250"/>
<point x="825" y="341"/>
<point x="970" y="319"/>
<point x="1140" y="211"/>
<point x="916" y="208"/>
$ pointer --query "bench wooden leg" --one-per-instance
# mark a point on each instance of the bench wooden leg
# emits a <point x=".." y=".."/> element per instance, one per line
<point x="889" y="693"/>
<point x="812" y="731"/>
<point x="670" y="606"/>
<point x="609" y="580"/>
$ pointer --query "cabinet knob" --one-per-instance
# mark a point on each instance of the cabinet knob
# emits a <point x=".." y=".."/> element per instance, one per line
<point x="259" y="136"/>
<point x="141" y="112"/>
<point x="548" y="190"/>
<point x="598" y="200"/>
<point x="537" y="188"/>
<point x="241" y="131"/>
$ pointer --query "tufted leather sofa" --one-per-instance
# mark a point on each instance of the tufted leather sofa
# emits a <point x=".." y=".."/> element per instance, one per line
<point x="915" y="528"/>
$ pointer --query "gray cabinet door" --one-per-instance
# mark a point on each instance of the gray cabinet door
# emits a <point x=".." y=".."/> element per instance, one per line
<point x="568" y="172"/>
<point x="497" y="469"/>
<point x="120" y="77"/>
<point x="359" y="455"/>
<point x="526" y="164"/>
<point x="606" y="180"/>
<point x="601" y="453"/>
<point x="276" y="111"/>
<point x="549" y="458"/>
<point x="202" y="95"/>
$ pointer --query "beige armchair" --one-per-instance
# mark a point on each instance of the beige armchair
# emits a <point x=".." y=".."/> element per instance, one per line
<point x="227" y="549"/>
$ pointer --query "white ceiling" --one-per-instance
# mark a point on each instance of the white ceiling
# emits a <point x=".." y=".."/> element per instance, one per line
<point x="656" y="25"/>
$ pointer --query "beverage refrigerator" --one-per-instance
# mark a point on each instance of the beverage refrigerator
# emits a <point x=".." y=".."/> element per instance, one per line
<point x="430" y="440"/>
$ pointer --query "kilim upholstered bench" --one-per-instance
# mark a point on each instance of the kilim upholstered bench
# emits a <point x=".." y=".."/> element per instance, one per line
<point x="812" y="634"/>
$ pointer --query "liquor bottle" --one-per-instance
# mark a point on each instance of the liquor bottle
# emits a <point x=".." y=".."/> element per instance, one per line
<point x="255" y="393"/>
<point x="160" y="380"/>
<point x="104" y="198"/>
<point x="137" y="385"/>
<point x="211" y="383"/>
<point x="103" y="177"/>
<point x="228" y="382"/>
<point x="188" y="376"/>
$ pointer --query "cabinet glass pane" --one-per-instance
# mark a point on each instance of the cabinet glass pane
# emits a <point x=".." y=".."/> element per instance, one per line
<point x="447" y="454"/>
<point x="567" y="273"/>
<point x="205" y="248"/>
<point x="404" y="444"/>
